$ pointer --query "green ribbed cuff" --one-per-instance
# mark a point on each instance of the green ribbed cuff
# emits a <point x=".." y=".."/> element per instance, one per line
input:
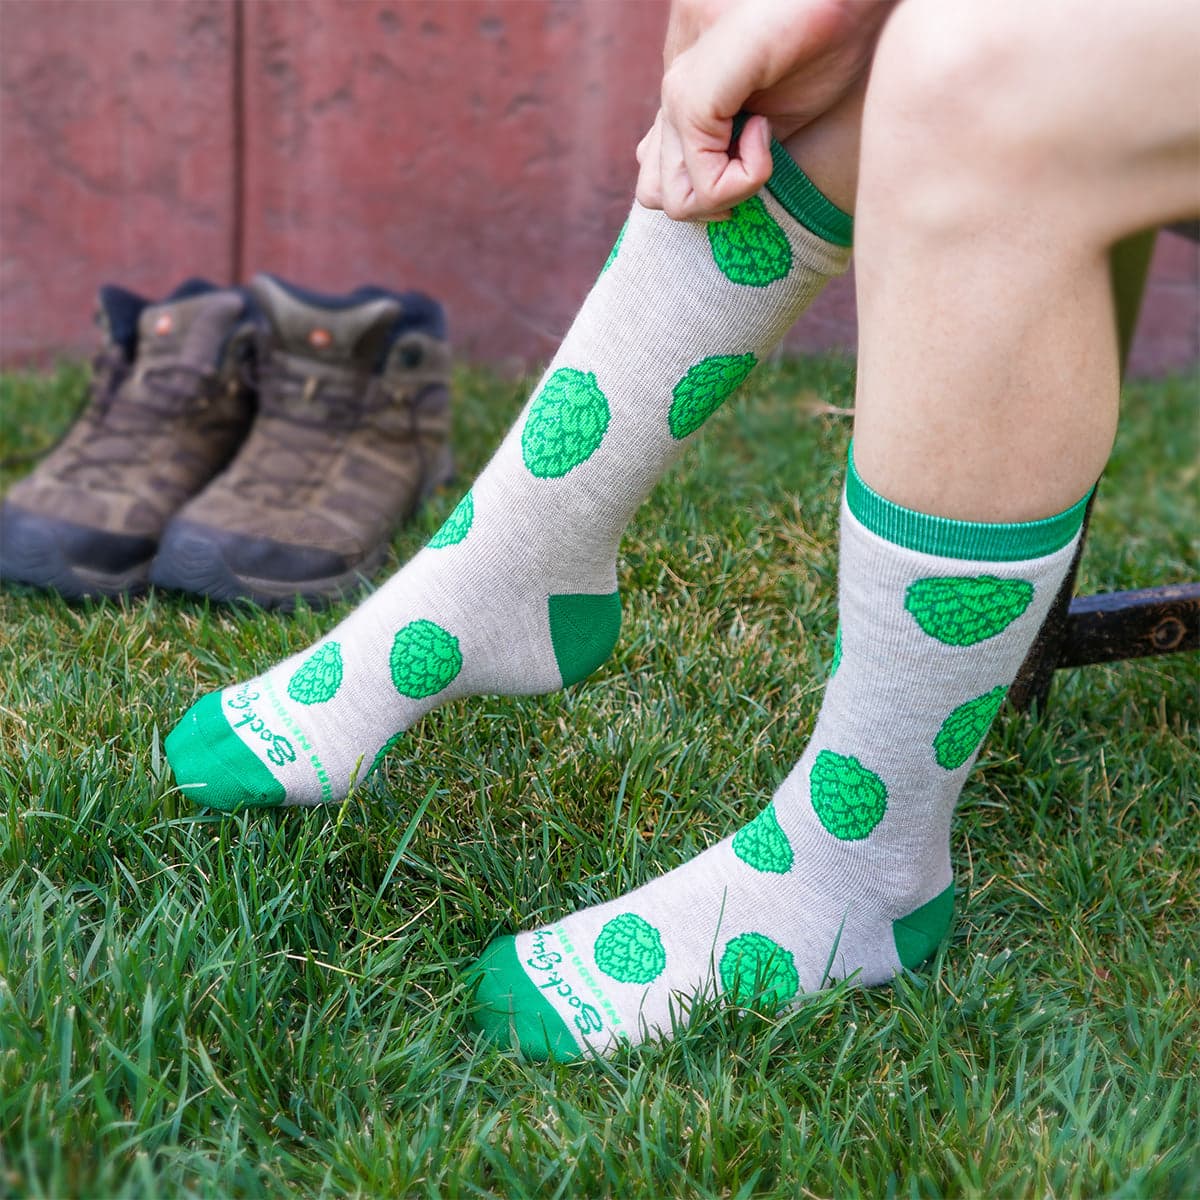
<point x="799" y="195"/>
<point x="804" y="201"/>
<point x="948" y="538"/>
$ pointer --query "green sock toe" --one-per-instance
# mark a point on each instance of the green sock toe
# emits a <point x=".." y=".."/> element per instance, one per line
<point x="213" y="766"/>
<point x="512" y="1013"/>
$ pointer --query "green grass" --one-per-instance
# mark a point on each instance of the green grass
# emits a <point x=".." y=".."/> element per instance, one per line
<point x="268" y="1006"/>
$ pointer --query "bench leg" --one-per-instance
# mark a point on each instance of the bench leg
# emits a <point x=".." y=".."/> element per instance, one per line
<point x="1032" y="684"/>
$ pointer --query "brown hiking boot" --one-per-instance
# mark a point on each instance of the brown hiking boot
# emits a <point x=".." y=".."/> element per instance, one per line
<point x="351" y="436"/>
<point x="168" y="407"/>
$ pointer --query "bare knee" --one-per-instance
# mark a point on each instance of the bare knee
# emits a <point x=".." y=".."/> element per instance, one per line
<point x="990" y="113"/>
<point x="948" y="135"/>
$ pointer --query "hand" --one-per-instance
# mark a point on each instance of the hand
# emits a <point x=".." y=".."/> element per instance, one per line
<point x="689" y="20"/>
<point x="786" y="60"/>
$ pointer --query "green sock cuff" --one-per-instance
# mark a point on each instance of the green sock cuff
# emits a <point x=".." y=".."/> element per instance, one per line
<point x="975" y="540"/>
<point x="800" y="197"/>
<point x="806" y="202"/>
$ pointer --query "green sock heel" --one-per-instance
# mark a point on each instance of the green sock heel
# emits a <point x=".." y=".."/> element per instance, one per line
<point x="919" y="934"/>
<point x="583" y="632"/>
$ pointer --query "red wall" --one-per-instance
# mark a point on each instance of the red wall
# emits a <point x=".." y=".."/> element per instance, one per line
<point x="483" y="152"/>
<point x="115" y="135"/>
<point x="479" y="149"/>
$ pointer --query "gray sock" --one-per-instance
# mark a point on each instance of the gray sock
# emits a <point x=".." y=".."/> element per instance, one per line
<point x="846" y="874"/>
<point x="517" y="593"/>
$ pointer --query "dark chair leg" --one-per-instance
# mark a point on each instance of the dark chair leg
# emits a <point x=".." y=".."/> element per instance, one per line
<point x="1032" y="684"/>
<point x="1115" y="626"/>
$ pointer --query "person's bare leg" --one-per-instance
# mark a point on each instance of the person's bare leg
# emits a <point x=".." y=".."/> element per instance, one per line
<point x="1005" y="148"/>
<point x="828" y="149"/>
<point x="517" y="593"/>
<point x="998" y="146"/>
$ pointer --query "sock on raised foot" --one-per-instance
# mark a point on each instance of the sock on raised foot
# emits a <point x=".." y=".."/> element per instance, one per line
<point x="517" y="592"/>
<point x="846" y="874"/>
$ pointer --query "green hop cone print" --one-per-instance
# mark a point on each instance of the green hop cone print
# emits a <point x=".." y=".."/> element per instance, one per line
<point x="965" y="727"/>
<point x="837" y="652"/>
<point x="703" y="390"/>
<point x="424" y="660"/>
<point x="749" y="247"/>
<point x="629" y="949"/>
<point x="318" y="677"/>
<point x="753" y="967"/>
<point x="964" y="610"/>
<point x="763" y="845"/>
<point x="456" y="526"/>
<point x="849" y="800"/>
<point x="565" y="425"/>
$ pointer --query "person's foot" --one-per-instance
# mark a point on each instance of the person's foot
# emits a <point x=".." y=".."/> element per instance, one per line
<point x="168" y="408"/>
<point x="846" y="875"/>
<point x="781" y="908"/>
<point x="350" y="437"/>
<point x="517" y="593"/>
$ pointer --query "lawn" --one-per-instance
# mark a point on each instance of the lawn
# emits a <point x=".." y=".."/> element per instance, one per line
<point x="268" y="1005"/>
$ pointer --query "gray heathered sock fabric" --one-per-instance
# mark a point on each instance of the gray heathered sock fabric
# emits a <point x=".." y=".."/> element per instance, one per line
<point x="846" y="874"/>
<point x="517" y="592"/>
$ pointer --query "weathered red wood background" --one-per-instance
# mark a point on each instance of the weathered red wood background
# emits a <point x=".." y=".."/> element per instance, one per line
<point x="479" y="149"/>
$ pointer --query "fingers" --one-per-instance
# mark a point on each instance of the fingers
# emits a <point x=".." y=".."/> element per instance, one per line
<point x="698" y="178"/>
<point x="653" y="158"/>
<point x="719" y="181"/>
<point x="702" y="91"/>
<point x="685" y="166"/>
<point x="678" y="191"/>
<point x="691" y="183"/>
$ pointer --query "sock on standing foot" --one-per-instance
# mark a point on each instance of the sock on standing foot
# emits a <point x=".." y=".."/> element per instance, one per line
<point x="846" y="874"/>
<point x="517" y="592"/>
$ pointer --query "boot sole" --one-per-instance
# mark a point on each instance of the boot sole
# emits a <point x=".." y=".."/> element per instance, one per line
<point x="31" y="554"/>
<point x="189" y="562"/>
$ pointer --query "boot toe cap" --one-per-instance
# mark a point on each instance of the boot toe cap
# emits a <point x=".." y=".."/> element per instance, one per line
<point x="73" y="558"/>
<point x="227" y="564"/>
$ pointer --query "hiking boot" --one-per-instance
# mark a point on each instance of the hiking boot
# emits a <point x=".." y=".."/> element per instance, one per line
<point x="351" y="436"/>
<point x="167" y="409"/>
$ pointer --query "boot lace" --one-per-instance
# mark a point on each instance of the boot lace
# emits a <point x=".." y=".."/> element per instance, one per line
<point x="300" y="401"/>
<point x="119" y="422"/>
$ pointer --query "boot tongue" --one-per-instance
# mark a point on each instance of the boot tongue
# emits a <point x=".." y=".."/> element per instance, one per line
<point x="117" y="312"/>
<point x="188" y="332"/>
<point x="358" y="333"/>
